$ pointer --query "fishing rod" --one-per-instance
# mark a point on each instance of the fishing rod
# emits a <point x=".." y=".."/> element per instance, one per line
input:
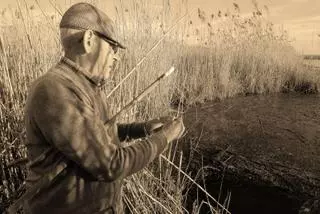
<point x="146" y="91"/>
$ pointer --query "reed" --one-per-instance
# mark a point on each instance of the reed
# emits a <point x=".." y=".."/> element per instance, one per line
<point x="217" y="55"/>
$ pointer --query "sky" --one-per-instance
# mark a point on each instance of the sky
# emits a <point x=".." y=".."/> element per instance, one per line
<point x="301" y="18"/>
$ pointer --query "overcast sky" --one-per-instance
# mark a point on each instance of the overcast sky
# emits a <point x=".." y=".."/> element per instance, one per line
<point x="300" y="17"/>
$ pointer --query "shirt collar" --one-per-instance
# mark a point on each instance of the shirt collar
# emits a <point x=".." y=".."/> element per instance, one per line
<point x="75" y="67"/>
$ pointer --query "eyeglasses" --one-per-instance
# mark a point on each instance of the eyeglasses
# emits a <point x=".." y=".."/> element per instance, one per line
<point x="111" y="42"/>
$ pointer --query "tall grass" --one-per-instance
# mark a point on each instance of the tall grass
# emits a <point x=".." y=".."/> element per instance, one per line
<point x="217" y="55"/>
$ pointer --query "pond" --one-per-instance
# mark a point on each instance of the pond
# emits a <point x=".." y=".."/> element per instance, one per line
<point x="264" y="148"/>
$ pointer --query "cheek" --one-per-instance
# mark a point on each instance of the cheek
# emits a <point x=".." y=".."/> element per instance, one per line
<point x="98" y="51"/>
<point x="108" y="60"/>
<point x="103" y="58"/>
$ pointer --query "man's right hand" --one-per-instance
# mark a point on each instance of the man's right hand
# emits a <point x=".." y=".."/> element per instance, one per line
<point x="174" y="129"/>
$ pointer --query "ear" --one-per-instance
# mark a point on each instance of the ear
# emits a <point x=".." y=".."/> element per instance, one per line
<point x="88" y="41"/>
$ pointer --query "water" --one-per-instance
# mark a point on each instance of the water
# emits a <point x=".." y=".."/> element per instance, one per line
<point x="277" y="137"/>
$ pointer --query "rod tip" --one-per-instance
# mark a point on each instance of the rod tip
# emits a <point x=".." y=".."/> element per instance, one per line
<point x="171" y="70"/>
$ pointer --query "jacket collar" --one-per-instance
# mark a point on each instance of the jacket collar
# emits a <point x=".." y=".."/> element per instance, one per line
<point x="98" y="82"/>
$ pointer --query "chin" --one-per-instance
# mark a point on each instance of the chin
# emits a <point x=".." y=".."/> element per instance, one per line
<point x="107" y="76"/>
<point x="106" y="72"/>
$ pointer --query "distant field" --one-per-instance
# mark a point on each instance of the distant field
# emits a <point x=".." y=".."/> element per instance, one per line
<point x="312" y="62"/>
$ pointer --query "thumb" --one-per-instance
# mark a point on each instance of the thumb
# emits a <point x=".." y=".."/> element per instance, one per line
<point x="156" y="126"/>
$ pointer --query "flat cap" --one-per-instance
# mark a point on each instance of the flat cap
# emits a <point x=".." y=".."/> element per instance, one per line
<point x="84" y="16"/>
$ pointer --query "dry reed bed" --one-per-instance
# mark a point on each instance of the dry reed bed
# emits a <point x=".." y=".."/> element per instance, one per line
<point x="230" y="55"/>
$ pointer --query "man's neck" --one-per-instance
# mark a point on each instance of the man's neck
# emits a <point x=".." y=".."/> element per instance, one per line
<point x="86" y="67"/>
<point x="81" y="61"/>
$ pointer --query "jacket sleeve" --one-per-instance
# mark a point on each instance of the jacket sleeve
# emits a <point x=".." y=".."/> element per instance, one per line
<point x="72" y="127"/>
<point x="132" y="131"/>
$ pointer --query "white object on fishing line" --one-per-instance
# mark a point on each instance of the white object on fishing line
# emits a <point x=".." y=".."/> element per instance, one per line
<point x="169" y="72"/>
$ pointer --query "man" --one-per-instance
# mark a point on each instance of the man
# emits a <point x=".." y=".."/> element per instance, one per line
<point x="68" y="143"/>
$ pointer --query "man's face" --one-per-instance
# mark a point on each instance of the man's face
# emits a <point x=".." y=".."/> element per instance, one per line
<point x="107" y="58"/>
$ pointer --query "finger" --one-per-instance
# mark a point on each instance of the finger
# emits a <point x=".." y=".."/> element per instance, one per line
<point x="182" y="132"/>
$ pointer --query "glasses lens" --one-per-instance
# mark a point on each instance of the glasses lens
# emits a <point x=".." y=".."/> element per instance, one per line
<point x="115" y="48"/>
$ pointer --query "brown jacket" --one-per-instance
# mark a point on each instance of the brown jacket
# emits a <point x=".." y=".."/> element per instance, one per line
<point x="65" y="114"/>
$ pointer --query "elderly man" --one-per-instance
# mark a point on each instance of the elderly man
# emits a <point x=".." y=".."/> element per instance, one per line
<point x="76" y="158"/>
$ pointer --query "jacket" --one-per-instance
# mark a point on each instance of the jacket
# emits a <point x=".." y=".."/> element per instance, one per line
<point x="64" y="117"/>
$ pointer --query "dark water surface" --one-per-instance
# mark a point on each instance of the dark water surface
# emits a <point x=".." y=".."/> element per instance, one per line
<point x="277" y="138"/>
